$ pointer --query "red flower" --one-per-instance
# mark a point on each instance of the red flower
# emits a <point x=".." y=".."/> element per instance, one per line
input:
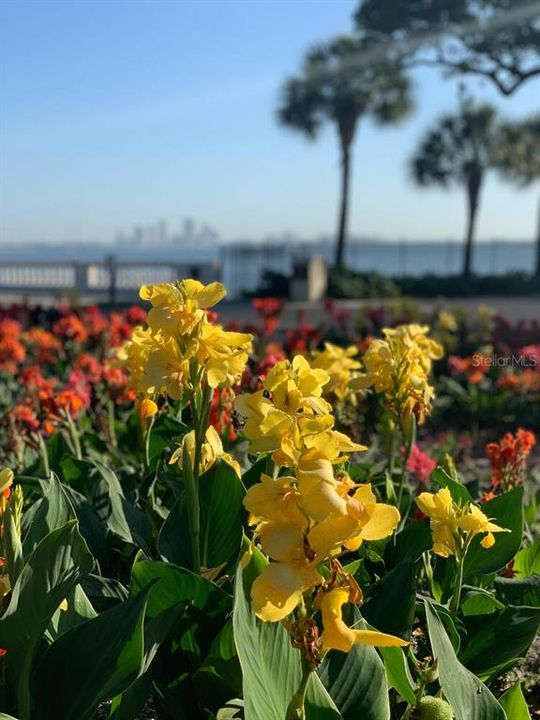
<point x="508" y="458"/>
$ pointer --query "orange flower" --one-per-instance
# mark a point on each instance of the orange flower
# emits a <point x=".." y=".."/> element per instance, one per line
<point x="508" y="458"/>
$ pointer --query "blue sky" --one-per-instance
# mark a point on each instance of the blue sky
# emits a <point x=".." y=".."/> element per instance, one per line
<point x="117" y="112"/>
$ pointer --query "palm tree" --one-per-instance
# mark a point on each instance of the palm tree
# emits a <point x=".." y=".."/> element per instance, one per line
<point x="518" y="158"/>
<point x="459" y="150"/>
<point x="340" y="84"/>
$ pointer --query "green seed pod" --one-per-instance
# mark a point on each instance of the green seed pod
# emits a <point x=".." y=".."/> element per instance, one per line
<point x="432" y="708"/>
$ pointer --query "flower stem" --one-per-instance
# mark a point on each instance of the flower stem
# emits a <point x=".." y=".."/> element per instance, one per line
<point x="296" y="709"/>
<point x="193" y="511"/>
<point x="456" y="595"/>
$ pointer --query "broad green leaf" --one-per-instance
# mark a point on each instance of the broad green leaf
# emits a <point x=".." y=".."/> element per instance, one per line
<point x="410" y="543"/>
<point x="356" y="680"/>
<point x="475" y="601"/>
<point x="514" y="704"/>
<point x="271" y="667"/>
<point x="527" y="561"/>
<point x="53" y="511"/>
<point x="222" y="513"/>
<point x="3" y="716"/>
<point x="54" y="568"/>
<point x="174" y="584"/>
<point x="92" y="528"/>
<point x="506" y="511"/>
<point x="508" y="634"/>
<point x="95" y="660"/>
<point x="130" y="703"/>
<point x="519" y="591"/>
<point x="458" y="491"/>
<point x="79" y="609"/>
<point x="123" y="519"/>
<point x="398" y="673"/>
<point x="392" y="601"/>
<point x="469" y="697"/>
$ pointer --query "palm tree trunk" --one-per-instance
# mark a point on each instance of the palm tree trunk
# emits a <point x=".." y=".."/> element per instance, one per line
<point x="344" y="209"/>
<point x="537" y="268"/>
<point x="473" y="194"/>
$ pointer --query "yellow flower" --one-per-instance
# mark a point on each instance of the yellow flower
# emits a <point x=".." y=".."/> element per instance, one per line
<point x="6" y="481"/>
<point x="453" y="526"/>
<point x="440" y="508"/>
<point x="289" y="417"/>
<point x="338" y="362"/>
<point x="338" y="636"/>
<point x="147" y="408"/>
<point x="272" y="499"/>
<point x="399" y="366"/>
<point x="279" y="588"/>
<point x="134" y="354"/>
<point x="178" y="307"/>
<point x="223" y="354"/>
<point x="364" y="519"/>
<point x="167" y="370"/>
<point x="447" y="321"/>
<point x="474" y="522"/>
<point x="211" y="451"/>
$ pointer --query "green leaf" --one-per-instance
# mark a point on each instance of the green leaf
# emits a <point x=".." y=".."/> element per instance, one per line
<point x="174" y="584"/>
<point x="79" y="609"/>
<point x="271" y="667"/>
<point x="91" y="526"/>
<point x="53" y="511"/>
<point x="124" y="520"/>
<point x="392" y="601"/>
<point x="476" y="601"/>
<point x="505" y="511"/>
<point x="469" y="697"/>
<point x="410" y="543"/>
<point x="508" y="634"/>
<point x="54" y="568"/>
<point x="398" y="673"/>
<point x="514" y="704"/>
<point x="220" y="498"/>
<point x="356" y="680"/>
<point x="527" y="561"/>
<point x="519" y="591"/>
<point x="459" y="492"/>
<point x="95" y="660"/>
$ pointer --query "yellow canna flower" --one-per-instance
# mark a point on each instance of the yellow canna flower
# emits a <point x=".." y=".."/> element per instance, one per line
<point x="211" y="451"/>
<point x="167" y="370"/>
<point x="272" y="499"/>
<point x="341" y="367"/>
<point x="279" y="588"/>
<point x="474" y="522"/>
<point x="453" y="526"/>
<point x="442" y="512"/>
<point x="223" y="354"/>
<point x="146" y="408"/>
<point x="338" y="636"/>
<point x="399" y="366"/>
<point x="6" y="481"/>
<point x="178" y="307"/>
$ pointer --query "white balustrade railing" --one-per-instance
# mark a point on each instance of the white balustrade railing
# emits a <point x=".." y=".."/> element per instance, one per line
<point x="110" y="277"/>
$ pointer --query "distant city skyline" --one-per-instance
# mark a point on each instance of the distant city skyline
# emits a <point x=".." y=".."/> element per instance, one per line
<point x="124" y="114"/>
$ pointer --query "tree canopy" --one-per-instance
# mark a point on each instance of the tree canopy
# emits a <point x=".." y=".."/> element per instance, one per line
<point x="495" y="39"/>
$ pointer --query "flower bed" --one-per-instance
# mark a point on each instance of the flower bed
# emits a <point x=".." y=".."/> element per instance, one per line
<point x="275" y="525"/>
